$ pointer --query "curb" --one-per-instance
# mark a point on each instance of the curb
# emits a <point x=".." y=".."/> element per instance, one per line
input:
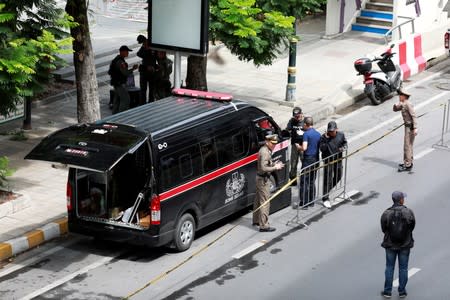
<point x="33" y="238"/>
<point x="10" y="207"/>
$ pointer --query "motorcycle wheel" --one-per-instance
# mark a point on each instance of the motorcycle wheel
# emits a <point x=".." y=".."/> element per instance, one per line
<point x="375" y="98"/>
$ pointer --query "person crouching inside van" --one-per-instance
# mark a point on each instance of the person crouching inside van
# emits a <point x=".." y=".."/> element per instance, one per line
<point x="265" y="166"/>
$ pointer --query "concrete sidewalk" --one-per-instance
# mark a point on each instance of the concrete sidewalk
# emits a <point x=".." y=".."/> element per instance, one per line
<point x="326" y="81"/>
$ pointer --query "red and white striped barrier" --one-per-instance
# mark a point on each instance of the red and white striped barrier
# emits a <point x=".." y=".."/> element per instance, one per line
<point x="409" y="56"/>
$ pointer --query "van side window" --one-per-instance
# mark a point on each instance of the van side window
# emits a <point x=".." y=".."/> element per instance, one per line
<point x="264" y="127"/>
<point x="233" y="145"/>
<point x="209" y="154"/>
<point x="179" y="166"/>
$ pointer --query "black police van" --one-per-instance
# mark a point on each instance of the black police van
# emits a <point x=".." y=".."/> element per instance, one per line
<point x="157" y="173"/>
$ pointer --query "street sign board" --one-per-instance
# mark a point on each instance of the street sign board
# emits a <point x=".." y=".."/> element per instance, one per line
<point x="179" y="25"/>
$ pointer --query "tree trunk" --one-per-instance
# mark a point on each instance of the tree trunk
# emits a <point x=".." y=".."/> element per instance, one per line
<point x="88" y="107"/>
<point x="196" y="73"/>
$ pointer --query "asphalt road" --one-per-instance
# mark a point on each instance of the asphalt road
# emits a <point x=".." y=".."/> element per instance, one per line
<point x="338" y="256"/>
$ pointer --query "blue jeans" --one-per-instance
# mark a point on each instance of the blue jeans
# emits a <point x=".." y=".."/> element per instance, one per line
<point x="403" y="258"/>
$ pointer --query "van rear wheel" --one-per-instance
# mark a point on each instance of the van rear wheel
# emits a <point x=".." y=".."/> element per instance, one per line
<point x="184" y="232"/>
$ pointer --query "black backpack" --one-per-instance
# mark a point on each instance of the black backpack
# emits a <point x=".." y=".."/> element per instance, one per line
<point x="397" y="227"/>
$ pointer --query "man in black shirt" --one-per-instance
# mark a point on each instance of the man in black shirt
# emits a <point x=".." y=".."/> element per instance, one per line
<point x="295" y="128"/>
<point x="119" y="72"/>
<point x="332" y="144"/>
<point x="147" y="70"/>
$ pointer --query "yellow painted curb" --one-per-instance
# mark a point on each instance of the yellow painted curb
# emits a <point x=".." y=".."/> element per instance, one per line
<point x="63" y="225"/>
<point x="35" y="238"/>
<point x="5" y="251"/>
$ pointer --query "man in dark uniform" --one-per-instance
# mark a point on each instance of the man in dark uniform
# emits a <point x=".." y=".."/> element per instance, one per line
<point x="397" y="224"/>
<point x="163" y="86"/>
<point x="331" y="144"/>
<point x="119" y="72"/>
<point x="147" y="70"/>
<point x="310" y="164"/>
<point x="295" y="128"/>
<point x="410" y="120"/>
<point x="264" y="167"/>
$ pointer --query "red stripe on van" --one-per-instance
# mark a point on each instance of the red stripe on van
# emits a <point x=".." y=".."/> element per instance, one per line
<point x="208" y="177"/>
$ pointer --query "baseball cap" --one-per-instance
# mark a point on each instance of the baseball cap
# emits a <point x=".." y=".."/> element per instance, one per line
<point x="331" y="126"/>
<point x="124" y="48"/>
<point x="401" y="92"/>
<point x="273" y="138"/>
<point x="296" y="111"/>
<point x="141" y="39"/>
<point x="397" y="195"/>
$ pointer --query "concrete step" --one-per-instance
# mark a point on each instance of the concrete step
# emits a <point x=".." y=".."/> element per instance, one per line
<point x="377" y="14"/>
<point x="380" y="6"/>
<point x="382" y="1"/>
<point x="101" y="59"/>
<point x="374" y="21"/>
<point x="133" y="10"/>
<point x="102" y="71"/>
<point x="370" y="28"/>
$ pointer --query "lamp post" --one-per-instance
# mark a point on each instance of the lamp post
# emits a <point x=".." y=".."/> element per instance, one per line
<point x="292" y="70"/>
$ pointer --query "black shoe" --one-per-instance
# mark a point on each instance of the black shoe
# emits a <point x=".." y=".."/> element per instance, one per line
<point x="403" y="294"/>
<point x="268" y="229"/>
<point x="255" y="224"/>
<point x="402" y="165"/>
<point x="386" y="295"/>
<point x="404" y="168"/>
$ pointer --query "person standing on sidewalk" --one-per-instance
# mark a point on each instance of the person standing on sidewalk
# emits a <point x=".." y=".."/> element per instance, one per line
<point x="119" y="72"/>
<point x="410" y="121"/>
<point x="295" y="128"/>
<point x="147" y="71"/>
<point x="310" y="165"/>
<point x="265" y="166"/>
<point x="332" y="144"/>
<point x="397" y="224"/>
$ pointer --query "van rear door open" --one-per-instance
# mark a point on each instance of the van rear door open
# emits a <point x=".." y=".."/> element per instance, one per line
<point x="97" y="147"/>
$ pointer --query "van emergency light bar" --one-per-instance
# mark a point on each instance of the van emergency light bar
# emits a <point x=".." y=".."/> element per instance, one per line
<point x="202" y="94"/>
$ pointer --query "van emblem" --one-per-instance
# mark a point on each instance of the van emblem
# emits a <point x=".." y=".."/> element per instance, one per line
<point x="162" y="146"/>
<point x="235" y="186"/>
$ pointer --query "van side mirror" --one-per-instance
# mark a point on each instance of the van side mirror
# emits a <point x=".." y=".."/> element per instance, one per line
<point x="285" y="134"/>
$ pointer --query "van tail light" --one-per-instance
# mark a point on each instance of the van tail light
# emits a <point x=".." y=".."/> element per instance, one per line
<point x="446" y="39"/>
<point x="69" y="193"/>
<point x="155" y="210"/>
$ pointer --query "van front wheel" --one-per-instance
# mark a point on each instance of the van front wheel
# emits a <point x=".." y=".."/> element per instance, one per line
<point x="184" y="232"/>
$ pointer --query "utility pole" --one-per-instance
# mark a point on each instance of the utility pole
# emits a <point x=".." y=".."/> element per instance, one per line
<point x="292" y="69"/>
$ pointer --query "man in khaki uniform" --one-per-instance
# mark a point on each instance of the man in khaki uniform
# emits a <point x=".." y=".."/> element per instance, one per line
<point x="264" y="167"/>
<point x="410" y="121"/>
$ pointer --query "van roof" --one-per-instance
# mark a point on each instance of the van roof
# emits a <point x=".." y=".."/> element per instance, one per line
<point x="168" y="114"/>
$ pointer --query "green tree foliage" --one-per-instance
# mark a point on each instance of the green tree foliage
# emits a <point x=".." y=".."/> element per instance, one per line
<point x="5" y="171"/>
<point x="296" y="8"/>
<point x="30" y="38"/>
<point x="249" y="30"/>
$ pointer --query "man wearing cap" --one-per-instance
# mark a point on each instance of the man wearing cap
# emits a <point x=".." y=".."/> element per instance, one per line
<point x="295" y="128"/>
<point x="264" y="167"/>
<point x="310" y="164"/>
<point x="332" y="144"/>
<point x="147" y="70"/>
<point x="397" y="224"/>
<point x="119" y="72"/>
<point x="410" y="121"/>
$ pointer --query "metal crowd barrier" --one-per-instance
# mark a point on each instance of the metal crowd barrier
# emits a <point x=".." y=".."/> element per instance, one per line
<point x="445" y="128"/>
<point x="323" y="180"/>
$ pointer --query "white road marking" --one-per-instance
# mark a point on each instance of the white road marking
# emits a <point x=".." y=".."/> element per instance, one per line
<point x="423" y="153"/>
<point x="411" y="272"/>
<point x="38" y="257"/>
<point x="68" y="277"/>
<point x="381" y="125"/>
<point x="248" y="250"/>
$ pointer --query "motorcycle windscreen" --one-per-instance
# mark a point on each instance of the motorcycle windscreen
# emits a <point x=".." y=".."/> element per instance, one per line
<point x="89" y="146"/>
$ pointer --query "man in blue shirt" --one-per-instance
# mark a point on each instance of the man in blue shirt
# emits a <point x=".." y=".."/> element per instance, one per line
<point x="310" y="164"/>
